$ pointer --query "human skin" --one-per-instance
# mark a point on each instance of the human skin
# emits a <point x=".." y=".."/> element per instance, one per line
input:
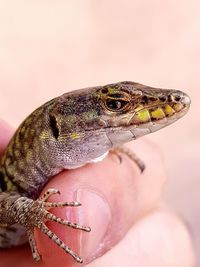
<point x="129" y="225"/>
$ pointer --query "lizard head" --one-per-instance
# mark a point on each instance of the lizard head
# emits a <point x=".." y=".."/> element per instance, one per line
<point x="88" y="122"/>
<point x="121" y="111"/>
<point x="134" y="109"/>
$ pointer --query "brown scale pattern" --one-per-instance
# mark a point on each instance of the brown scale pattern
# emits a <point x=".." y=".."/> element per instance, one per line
<point x="19" y="152"/>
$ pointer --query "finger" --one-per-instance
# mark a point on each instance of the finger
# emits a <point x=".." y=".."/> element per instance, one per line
<point x="18" y="257"/>
<point x="6" y="132"/>
<point x="158" y="240"/>
<point x="113" y="197"/>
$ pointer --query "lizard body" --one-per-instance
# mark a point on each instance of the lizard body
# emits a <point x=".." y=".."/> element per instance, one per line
<point x="67" y="132"/>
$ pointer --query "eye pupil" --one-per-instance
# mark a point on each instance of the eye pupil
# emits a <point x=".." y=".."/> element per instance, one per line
<point x="115" y="105"/>
<point x="118" y="104"/>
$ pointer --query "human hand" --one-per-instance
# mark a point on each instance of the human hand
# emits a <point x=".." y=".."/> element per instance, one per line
<point x="129" y="225"/>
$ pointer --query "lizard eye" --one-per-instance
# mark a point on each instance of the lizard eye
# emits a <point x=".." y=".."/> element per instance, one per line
<point x="116" y="104"/>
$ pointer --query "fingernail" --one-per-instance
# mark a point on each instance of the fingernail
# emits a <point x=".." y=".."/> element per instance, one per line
<point x="95" y="212"/>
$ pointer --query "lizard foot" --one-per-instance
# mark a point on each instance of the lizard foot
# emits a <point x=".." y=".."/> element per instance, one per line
<point x="34" y="213"/>
<point x="122" y="149"/>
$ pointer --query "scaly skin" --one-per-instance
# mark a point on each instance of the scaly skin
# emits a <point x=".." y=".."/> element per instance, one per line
<point x="68" y="132"/>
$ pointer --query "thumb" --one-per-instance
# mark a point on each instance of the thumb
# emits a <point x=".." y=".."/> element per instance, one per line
<point x="113" y="196"/>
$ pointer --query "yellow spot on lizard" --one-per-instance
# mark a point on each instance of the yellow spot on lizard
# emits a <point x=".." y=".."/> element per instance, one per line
<point x="17" y="153"/>
<point x="26" y="145"/>
<point x="169" y="110"/>
<point x="29" y="154"/>
<point x="143" y="115"/>
<point x="158" y="114"/>
<point x="10" y="185"/>
<point x="89" y="115"/>
<point x="75" y="135"/>
<point x="44" y="135"/>
<point x="22" y="130"/>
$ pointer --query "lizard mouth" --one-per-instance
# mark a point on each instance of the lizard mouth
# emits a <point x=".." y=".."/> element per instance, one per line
<point x="161" y="113"/>
<point x="146" y="121"/>
<point x="150" y="119"/>
<point x="158" y="114"/>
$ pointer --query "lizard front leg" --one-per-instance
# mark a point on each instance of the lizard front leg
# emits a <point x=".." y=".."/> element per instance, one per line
<point x="31" y="214"/>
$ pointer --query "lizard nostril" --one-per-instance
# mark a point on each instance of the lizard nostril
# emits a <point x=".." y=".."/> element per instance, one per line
<point x="177" y="97"/>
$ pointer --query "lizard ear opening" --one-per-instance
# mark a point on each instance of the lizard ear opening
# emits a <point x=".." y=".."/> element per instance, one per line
<point x="54" y="126"/>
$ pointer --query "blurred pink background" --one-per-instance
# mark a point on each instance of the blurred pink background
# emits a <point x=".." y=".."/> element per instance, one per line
<point x="49" y="47"/>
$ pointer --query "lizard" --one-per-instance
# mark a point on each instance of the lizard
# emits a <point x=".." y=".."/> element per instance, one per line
<point x="67" y="132"/>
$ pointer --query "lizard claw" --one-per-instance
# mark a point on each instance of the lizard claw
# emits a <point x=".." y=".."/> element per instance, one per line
<point x="33" y="213"/>
<point x="48" y="193"/>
